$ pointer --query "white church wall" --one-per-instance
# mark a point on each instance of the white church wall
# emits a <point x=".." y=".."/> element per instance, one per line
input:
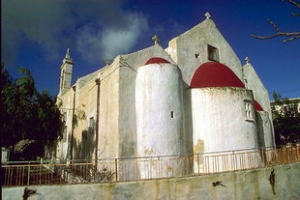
<point x="265" y="130"/>
<point x="109" y="112"/>
<point x="261" y="95"/>
<point x="129" y="65"/>
<point x="138" y="58"/>
<point x="65" y="103"/>
<point x="85" y="109"/>
<point x="255" y="84"/>
<point x="189" y="50"/>
<point x="127" y="116"/>
<point x="187" y="119"/>
<point x="223" y="120"/>
<point x="159" y="116"/>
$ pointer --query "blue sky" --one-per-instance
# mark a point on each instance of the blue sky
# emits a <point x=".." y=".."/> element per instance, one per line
<point x="36" y="34"/>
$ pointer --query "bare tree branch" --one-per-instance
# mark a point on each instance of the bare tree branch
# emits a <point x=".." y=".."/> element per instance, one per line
<point x="291" y="35"/>
<point x="274" y="25"/>
<point x="294" y="3"/>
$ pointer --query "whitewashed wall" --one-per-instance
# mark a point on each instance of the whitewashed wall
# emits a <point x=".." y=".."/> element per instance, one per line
<point x="220" y="122"/>
<point x="159" y="113"/>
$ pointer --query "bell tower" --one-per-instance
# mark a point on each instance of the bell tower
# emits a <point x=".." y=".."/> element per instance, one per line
<point x="66" y="73"/>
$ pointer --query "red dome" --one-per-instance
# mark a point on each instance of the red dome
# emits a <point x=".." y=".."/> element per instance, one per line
<point x="214" y="74"/>
<point x="156" y="60"/>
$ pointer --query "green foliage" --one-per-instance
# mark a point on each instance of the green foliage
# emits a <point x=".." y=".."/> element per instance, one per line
<point x="26" y="113"/>
<point x="286" y="120"/>
<point x="79" y="115"/>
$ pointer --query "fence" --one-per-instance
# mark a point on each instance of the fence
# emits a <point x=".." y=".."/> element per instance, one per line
<point x="128" y="169"/>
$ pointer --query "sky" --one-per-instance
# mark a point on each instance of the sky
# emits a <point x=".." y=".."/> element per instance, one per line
<point x="36" y="34"/>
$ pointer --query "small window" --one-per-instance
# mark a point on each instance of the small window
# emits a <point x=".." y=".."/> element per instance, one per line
<point x="91" y="126"/>
<point x="84" y="135"/>
<point x="213" y="53"/>
<point x="249" y="110"/>
<point x="172" y="114"/>
<point x="64" y="139"/>
<point x="62" y="80"/>
<point x="65" y="128"/>
<point x="65" y="117"/>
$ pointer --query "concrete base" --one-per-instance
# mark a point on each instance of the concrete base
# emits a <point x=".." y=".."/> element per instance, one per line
<point x="252" y="184"/>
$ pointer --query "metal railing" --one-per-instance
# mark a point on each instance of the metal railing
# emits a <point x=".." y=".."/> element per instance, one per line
<point x="129" y="169"/>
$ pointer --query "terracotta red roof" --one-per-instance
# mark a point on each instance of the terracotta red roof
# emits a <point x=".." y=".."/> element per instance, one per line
<point x="156" y="60"/>
<point x="257" y="106"/>
<point x="214" y="74"/>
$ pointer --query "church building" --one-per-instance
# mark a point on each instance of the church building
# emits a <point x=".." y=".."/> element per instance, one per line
<point x="192" y="98"/>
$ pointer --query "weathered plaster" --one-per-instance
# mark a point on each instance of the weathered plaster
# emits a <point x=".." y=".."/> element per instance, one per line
<point x="184" y="47"/>
<point x="159" y="113"/>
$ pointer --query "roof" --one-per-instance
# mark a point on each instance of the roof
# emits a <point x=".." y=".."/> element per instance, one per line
<point x="214" y="74"/>
<point x="257" y="106"/>
<point x="156" y="60"/>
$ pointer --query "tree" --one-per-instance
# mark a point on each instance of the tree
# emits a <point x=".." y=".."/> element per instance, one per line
<point x="286" y="120"/>
<point x="27" y="114"/>
<point x="291" y="35"/>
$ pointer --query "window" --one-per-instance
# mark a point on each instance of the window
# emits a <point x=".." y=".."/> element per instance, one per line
<point x="62" y="79"/>
<point x="91" y="126"/>
<point x="65" y="128"/>
<point x="213" y="53"/>
<point x="249" y="110"/>
<point x="172" y="114"/>
<point x="65" y="117"/>
<point x="64" y="139"/>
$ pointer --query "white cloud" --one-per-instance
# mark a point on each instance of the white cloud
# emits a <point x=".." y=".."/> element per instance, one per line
<point x="40" y="22"/>
<point x="116" y="41"/>
<point x="97" y="29"/>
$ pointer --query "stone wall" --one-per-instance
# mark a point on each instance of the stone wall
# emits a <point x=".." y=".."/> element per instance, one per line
<point x="252" y="184"/>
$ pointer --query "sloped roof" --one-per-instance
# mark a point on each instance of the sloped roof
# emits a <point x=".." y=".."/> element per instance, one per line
<point x="257" y="106"/>
<point x="214" y="74"/>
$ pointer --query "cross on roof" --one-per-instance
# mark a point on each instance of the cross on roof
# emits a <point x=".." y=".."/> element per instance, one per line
<point x="207" y="15"/>
<point x="247" y="60"/>
<point x="156" y="39"/>
<point x="68" y="53"/>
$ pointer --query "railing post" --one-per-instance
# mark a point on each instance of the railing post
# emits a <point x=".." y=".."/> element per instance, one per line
<point x="297" y="152"/>
<point x="28" y="174"/>
<point x="198" y="163"/>
<point x="116" y="169"/>
<point x="233" y="157"/>
<point x="40" y="178"/>
<point x="263" y="154"/>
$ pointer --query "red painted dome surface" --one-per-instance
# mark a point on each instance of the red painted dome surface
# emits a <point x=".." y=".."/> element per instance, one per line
<point x="156" y="60"/>
<point x="214" y="74"/>
<point x="257" y="106"/>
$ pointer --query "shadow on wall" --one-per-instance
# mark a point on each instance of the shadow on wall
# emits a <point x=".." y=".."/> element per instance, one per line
<point x="188" y="132"/>
<point x="85" y="148"/>
<point x="261" y="139"/>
